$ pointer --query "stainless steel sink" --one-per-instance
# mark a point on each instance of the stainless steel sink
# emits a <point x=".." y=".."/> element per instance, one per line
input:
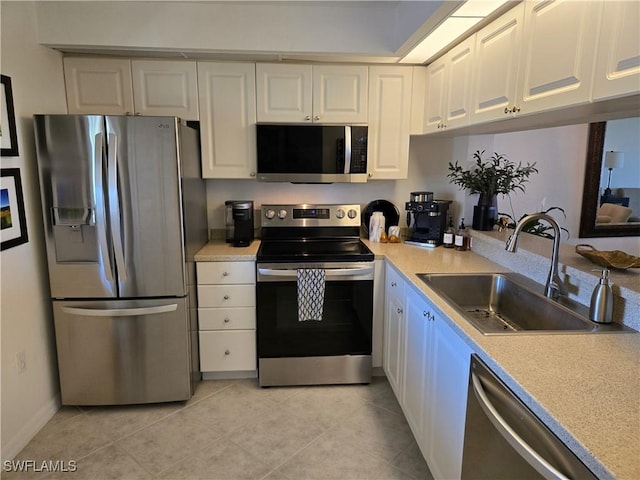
<point x="509" y="303"/>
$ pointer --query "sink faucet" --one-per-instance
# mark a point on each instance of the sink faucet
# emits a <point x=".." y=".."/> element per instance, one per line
<point x="554" y="286"/>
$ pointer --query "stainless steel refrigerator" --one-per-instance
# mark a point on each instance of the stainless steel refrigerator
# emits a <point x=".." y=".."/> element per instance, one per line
<point x="124" y="213"/>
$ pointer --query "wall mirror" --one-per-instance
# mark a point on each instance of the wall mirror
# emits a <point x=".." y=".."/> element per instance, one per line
<point x="611" y="195"/>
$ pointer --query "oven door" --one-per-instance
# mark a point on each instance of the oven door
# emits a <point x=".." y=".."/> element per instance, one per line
<point x="345" y="328"/>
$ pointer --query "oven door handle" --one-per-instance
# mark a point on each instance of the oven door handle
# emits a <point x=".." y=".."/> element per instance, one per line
<point x="532" y="457"/>
<point x="330" y="272"/>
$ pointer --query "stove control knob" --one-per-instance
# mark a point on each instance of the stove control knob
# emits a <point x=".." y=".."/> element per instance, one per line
<point x="269" y="214"/>
<point x="352" y="214"/>
<point x="340" y="213"/>
<point x="282" y="214"/>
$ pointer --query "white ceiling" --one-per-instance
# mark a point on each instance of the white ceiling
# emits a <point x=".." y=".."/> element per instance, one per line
<point x="350" y="31"/>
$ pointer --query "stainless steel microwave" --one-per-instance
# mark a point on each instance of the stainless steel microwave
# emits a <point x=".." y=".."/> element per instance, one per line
<point x="312" y="153"/>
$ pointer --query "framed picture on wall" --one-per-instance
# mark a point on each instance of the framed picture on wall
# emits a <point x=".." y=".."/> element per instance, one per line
<point x="8" y="134"/>
<point x="13" y="222"/>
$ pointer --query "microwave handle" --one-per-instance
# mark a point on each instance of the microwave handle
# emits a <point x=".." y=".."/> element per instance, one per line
<point x="347" y="149"/>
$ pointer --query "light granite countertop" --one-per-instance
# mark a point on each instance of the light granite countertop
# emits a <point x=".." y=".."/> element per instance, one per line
<point x="586" y="388"/>
<point x="219" y="251"/>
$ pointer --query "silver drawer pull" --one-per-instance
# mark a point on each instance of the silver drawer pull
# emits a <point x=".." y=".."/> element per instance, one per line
<point x="225" y="274"/>
<point x="227" y="352"/>
<point x="226" y="297"/>
<point x="226" y="320"/>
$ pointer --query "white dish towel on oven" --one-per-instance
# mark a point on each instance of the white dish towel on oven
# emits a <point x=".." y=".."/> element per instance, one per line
<point x="310" y="294"/>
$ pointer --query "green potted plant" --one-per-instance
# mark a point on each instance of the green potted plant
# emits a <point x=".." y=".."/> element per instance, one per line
<point x="497" y="175"/>
<point x="534" y="227"/>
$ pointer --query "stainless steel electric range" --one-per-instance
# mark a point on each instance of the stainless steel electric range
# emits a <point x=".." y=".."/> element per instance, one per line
<point x="314" y="296"/>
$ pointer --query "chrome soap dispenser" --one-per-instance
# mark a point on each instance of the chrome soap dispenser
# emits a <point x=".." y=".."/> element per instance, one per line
<point x="601" y="309"/>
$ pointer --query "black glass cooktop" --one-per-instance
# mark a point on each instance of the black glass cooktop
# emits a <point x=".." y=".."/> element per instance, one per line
<point x="339" y="250"/>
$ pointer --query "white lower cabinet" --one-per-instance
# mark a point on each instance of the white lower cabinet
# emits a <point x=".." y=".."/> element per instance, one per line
<point x="394" y="330"/>
<point x="427" y="365"/>
<point x="227" y="316"/>
<point x="416" y="366"/>
<point x="445" y="399"/>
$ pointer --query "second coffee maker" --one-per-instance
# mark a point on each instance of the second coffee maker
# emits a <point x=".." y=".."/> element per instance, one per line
<point x="239" y="222"/>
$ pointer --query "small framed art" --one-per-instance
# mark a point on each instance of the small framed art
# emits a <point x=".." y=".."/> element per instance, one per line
<point x="8" y="134"/>
<point x="13" y="222"/>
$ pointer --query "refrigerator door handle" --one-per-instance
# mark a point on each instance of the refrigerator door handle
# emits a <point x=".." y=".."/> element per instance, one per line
<point x="114" y="206"/>
<point x="100" y="220"/>
<point x="120" y="312"/>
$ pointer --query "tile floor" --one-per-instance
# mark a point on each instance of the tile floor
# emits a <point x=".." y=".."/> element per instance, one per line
<point x="233" y="429"/>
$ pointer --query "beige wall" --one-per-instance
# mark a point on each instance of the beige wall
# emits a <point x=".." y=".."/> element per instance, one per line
<point x="30" y="398"/>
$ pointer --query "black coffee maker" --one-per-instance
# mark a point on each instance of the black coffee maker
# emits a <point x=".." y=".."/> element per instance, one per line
<point x="427" y="219"/>
<point x="239" y="222"/>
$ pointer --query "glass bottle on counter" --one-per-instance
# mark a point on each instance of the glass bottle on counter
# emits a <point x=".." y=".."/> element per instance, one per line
<point x="449" y="235"/>
<point x="463" y="238"/>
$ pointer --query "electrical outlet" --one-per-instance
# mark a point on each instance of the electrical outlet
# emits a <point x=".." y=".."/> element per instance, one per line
<point x="21" y="361"/>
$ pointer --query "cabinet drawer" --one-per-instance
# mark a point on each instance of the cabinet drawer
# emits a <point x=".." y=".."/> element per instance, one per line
<point x="240" y="318"/>
<point x="226" y="296"/>
<point x="226" y="273"/>
<point x="227" y="351"/>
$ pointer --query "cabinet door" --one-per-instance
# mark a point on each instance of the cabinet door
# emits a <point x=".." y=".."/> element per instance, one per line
<point x="284" y="93"/>
<point x="448" y="88"/>
<point x="340" y="94"/>
<point x="446" y="398"/>
<point x="226" y="94"/>
<point x="394" y="330"/>
<point x="98" y="86"/>
<point x="165" y="88"/>
<point x="495" y="72"/>
<point x="558" y="54"/>
<point x="617" y="71"/>
<point x="415" y="362"/>
<point x="436" y="96"/>
<point x="389" y="121"/>
<point x="460" y="63"/>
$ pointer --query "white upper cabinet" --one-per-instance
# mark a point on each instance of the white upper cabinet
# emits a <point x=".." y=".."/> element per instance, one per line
<point x="558" y="54"/>
<point x="226" y="93"/>
<point x="305" y="93"/>
<point x="617" y="71"/>
<point x="448" y="88"/>
<point x="436" y="94"/>
<point x="165" y="88"/>
<point x="114" y="86"/>
<point x="98" y="86"/>
<point x="340" y="94"/>
<point x="389" y="121"/>
<point x="495" y="74"/>
<point x="284" y="93"/>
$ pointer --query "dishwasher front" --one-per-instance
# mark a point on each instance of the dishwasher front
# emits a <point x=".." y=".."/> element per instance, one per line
<point x="504" y="440"/>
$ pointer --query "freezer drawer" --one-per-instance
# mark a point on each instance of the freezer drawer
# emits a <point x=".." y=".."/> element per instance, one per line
<point x="123" y="351"/>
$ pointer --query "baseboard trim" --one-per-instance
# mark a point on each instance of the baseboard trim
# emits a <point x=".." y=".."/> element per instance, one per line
<point x="11" y="448"/>
<point x="229" y="375"/>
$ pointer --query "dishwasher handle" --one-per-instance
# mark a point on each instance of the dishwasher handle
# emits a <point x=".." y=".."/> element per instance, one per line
<point x="532" y="457"/>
